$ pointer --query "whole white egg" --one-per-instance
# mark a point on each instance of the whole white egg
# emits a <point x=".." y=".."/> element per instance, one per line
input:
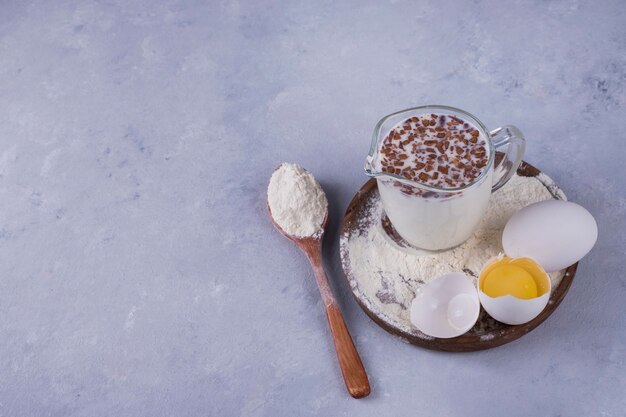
<point x="555" y="233"/>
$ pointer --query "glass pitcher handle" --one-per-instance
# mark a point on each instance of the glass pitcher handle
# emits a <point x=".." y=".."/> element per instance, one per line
<point x="513" y="139"/>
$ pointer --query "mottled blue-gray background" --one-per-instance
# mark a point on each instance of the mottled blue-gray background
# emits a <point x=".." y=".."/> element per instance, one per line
<point x="139" y="274"/>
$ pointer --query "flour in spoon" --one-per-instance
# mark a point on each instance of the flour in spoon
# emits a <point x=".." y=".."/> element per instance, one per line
<point x="297" y="201"/>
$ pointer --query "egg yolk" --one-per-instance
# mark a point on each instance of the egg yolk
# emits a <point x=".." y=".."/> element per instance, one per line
<point x="509" y="280"/>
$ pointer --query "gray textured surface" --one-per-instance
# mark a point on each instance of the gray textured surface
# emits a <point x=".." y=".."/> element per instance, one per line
<point x="139" y="274"/>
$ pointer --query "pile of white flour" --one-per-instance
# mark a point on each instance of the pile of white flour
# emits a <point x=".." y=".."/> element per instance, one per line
<point x="297" y="201"/>
<point x="387" y="278"/>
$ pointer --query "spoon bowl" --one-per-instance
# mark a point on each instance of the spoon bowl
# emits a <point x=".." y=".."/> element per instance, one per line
<point x="298" y="240"/>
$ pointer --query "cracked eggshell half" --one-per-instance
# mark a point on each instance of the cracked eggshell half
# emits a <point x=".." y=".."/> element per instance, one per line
<point x="447" y="306"/>
<point x="555" y="233"/>
<point x="507" y="308"/>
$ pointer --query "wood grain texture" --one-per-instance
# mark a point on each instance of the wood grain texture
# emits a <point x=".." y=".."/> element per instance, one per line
<point x="466" y="342"/>
<point x="349" y="360"/>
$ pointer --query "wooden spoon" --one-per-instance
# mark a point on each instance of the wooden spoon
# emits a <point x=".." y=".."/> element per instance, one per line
<point x="352" y="368"/>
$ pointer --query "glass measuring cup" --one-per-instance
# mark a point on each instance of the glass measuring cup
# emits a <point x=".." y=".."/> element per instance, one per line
<point x="435" y="218"/>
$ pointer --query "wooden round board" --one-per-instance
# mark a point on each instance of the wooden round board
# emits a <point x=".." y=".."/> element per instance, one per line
<point x="481" y="337"/>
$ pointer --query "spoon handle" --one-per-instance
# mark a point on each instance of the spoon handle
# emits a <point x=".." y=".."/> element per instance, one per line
<point x="352" y="368"/>
<point x="350" y="363"/>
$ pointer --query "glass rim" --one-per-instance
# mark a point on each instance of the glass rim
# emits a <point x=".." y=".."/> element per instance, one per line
<point x="371" y="172"/>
